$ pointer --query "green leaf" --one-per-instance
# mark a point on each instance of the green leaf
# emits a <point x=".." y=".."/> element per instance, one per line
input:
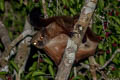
<point x="116" y="61"/>
<point x="48" y="61"/>
<point x="72" y="1"/>
<point x="101" y="60"/>
<point x="35" y="56"/>
<point x="86" y="62"/>
<point x="64" y="2"/>
<point x="117" y="28"/>
<point x="115" y="19"/>
<point x="3" y="73"/>
<point x="28" y="76"/>
<point x="44" y="68"/>
<point x="100" y="46"/>
<point x="71" y="74"/>
<point x="32" y="78"/>
<point x="38" y="73"/>
<point x="14" y="65"/>
<point x="51" y="70"/>
<point x="72" y="11"/>
<point x="21" y="1"/>
<point x="41" y="78"/>
<point x="2" y="5"/>
<point x="65" y="12"/>
<point x="94" y="28"/>
<point x="101" y="4"/>
<point x="114" y="38"/>
<point x="81" y="77"/>
<point x="33" y="67"/>
<point x="105" y="55"/>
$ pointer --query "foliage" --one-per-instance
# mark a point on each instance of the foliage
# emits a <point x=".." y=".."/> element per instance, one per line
<point x="106" y="24"/>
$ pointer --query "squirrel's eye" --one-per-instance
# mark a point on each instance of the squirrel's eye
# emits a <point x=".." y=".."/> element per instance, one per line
<point x="41" y="38"/>
<point x="34" y="43"/>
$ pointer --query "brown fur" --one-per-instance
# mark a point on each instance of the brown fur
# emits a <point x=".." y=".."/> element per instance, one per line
<point x="55" y="39"/>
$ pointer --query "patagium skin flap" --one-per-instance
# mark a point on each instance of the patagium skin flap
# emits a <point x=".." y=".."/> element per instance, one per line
<point x="56" y="46"/>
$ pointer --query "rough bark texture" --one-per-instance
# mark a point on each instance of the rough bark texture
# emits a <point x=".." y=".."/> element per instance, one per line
<point x="67" y="61"/>
<point x="4" y="35"/>
<point x="93" y="67"/>
<point x="6" y="54"/>
<point x="23" y="51"/>
<point x="44" y="9"/>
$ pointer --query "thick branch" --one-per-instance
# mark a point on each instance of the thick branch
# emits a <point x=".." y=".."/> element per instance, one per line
<point x="6" y="54"/>
<point x="84" y="20"/>
<point x="67" y="61"/>
<point x="23" y="47"/>
<point x="4" y="35"/>
<point x="23" y="51"/>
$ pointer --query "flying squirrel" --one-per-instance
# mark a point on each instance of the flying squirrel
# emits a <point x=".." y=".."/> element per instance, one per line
<point x="54" y="32"/>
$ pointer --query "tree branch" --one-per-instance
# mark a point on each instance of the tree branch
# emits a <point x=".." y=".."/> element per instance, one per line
<point x="93" y="67"/>
<point x="6" y="54"/>
<point x="4" y="35"/>
<point x="23" y="51"/>
<point x="44" y="9"/>
<point x="112" y="57"/>
<point x="67" y="61"/>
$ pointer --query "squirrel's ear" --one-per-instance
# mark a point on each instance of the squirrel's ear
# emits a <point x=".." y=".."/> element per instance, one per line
<point x="34" y="16"/>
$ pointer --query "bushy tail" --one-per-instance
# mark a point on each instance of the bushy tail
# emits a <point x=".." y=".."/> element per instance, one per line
<point x="35" y="17"/>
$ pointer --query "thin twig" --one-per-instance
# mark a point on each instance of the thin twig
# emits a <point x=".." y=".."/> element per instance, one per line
<point x="112" y="57"/>
<point x="75" y="71"/>
<point x="103" y="75"/>
<point x="82" y="65"/>
<point x="44" y="9"/>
